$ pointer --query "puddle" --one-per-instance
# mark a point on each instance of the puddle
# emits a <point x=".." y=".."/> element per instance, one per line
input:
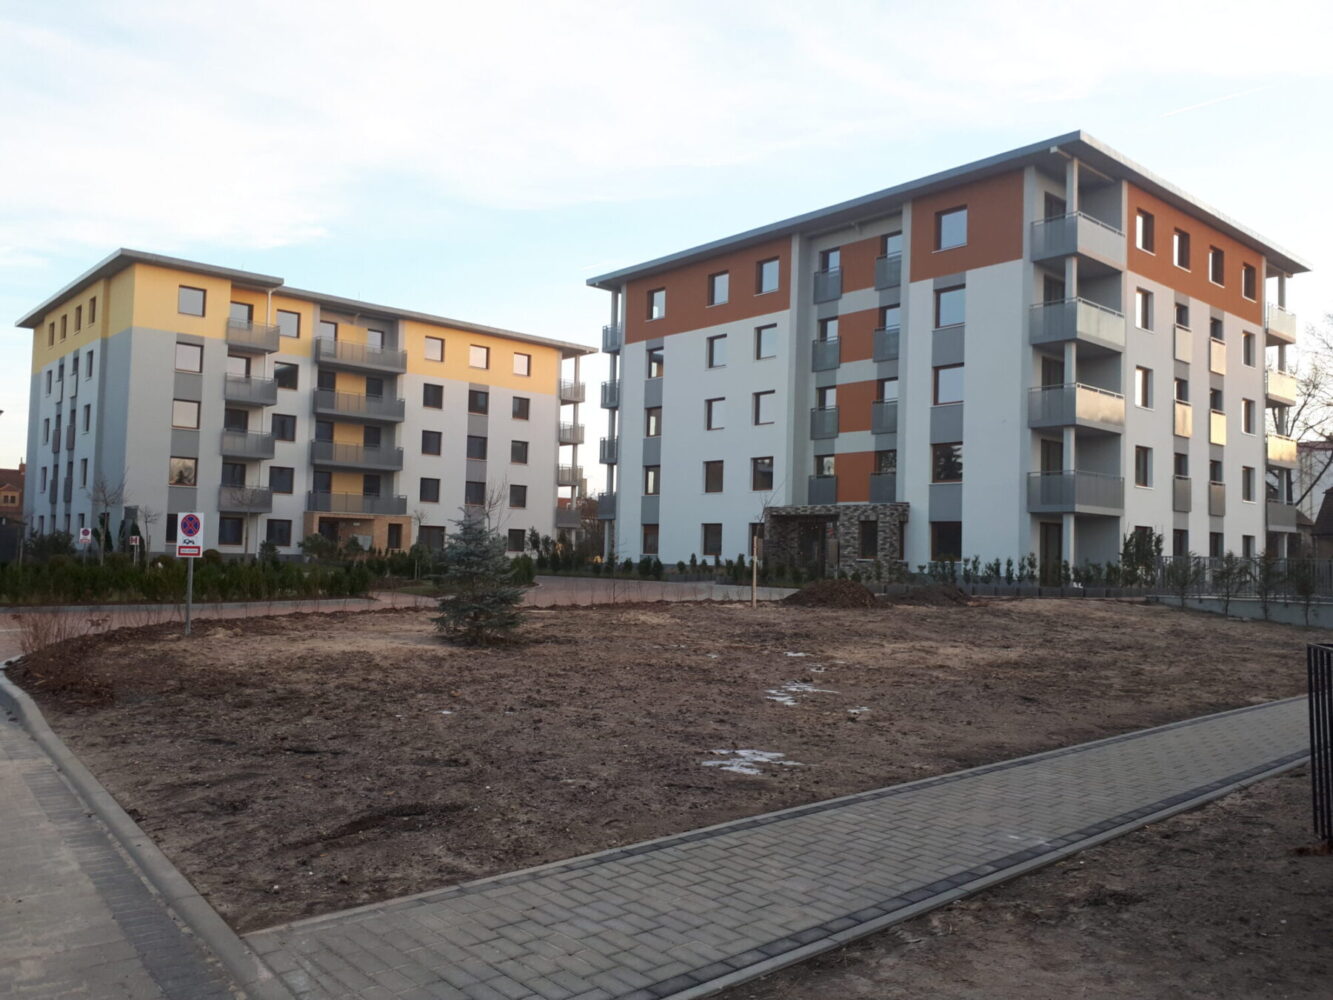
<point x="749" y="761"/>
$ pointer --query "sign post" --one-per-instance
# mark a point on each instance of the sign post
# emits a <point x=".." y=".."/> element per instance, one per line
<point x="189" y="546"/>
<point x="85" y="539"/>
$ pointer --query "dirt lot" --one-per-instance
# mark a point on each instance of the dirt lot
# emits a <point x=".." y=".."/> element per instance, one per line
<point x="1217" y="904"/>
<point x="292" y="766"/>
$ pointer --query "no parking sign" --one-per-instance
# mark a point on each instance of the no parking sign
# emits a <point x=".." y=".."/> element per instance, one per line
<point x="190" y="535"/>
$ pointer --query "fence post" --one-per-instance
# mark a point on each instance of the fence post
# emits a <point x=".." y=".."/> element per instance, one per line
<point x="1319" y="661"/>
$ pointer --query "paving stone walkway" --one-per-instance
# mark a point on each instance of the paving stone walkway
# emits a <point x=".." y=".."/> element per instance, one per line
<point x="683" y="916"/>
<point x="77" y="921"/>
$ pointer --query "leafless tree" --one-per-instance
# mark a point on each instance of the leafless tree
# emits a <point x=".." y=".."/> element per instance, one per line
<point x="1311" y="419"/>
<point x="105" y="494"/>
<point x="147" y="518"/>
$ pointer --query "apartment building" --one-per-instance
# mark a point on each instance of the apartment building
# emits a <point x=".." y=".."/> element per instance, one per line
<point x="162" y="385"/>
<point x="1034" y="353"/>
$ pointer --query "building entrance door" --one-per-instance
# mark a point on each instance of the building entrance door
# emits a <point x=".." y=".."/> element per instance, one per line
<point x="1052" y="541"/>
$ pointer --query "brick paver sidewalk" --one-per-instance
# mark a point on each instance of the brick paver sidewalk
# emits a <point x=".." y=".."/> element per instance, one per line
<point x="76" y="919"/>
<point x="682" y="916"/>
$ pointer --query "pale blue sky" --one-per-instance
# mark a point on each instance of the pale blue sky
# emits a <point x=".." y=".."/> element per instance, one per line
<point x="483" y="164"/>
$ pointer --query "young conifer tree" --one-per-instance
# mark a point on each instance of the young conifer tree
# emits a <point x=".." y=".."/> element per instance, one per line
<point x="482" y="604"/>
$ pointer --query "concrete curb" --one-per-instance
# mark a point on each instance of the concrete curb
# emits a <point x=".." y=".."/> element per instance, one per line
<point x="244" y="966"/>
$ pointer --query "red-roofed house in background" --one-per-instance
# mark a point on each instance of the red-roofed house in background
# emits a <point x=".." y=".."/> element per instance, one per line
<point x="11" y="511"/>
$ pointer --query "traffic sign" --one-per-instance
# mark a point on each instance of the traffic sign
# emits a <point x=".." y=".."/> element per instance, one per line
<point x="189" y="551"/>
<point x="134" y="541"/>
<point x="190" y="527"/>
<point x="85" y="536"/>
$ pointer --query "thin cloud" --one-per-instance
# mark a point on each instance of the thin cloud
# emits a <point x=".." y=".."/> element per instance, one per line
<point x="1216" y="100"/>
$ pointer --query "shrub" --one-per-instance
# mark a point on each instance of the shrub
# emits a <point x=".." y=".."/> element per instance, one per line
<point x="482" y="601"/>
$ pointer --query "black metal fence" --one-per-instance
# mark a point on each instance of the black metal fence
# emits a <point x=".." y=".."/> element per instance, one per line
<point x="1319" y="660"/>
<point x="1279" y="579"/>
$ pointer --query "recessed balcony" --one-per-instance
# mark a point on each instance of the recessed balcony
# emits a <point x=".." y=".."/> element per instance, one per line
<point x="242" y="390"/>
<point x="1282" y="451"/>
<point x="242" y="444"/>
<point x="1280" y="324"/>
<point x="824" y="422"/>
<point x="355" y="503"/>
<point x="245" y="499"/>
<point x="252" y="338"/>
<point x="356" y="456"/>
<point x="1075" y="492"/>
<point x="1077" y="233"/>
<point x="1077" y="320"/>
<point x="1280" y="387"/>
<point x="358" y="407"/>
<point x="1076" y="405"/>
<point x="359" y="357"/>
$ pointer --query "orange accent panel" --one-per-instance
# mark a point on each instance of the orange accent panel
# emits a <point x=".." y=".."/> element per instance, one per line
<point x="856" y="330"/>
<point x="686" y="287"/>
<point x="1158" y="266"/>
<point x="854" y="406"/>
<point x="854" y="469"/>
<point x="858" y="263"/>
<point x="994" y="226"/>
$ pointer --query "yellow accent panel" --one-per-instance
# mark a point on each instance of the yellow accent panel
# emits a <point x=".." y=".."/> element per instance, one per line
<point x="296" y="346"/>
<point x="545" y="360"/>
<point x="347" y="482"/>
<point x="349" y="333"/>
<point x="348" y="434"/>
<point x="155" y="300"/>
<point x="75" y="340"/>
<point x="349" y="382"/>
<point x="257" y="300"/>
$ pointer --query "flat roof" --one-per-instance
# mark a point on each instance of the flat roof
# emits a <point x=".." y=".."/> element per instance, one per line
<point x="1079" y="144"/>
<point x="125" y="257"/>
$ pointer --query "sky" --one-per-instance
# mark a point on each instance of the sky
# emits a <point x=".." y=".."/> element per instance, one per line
<point x="482" y="161"/>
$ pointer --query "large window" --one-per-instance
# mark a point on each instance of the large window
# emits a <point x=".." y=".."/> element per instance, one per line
<point x="190" y="301"/>
<point x="951" y="228"/>
<point x="518" y="496"/>
<point x="946" y="462"/>
<point x="717" y="351"/>
<point x="948" y="384"/>
<point x="281" y="478"/>
<point x="189" y="358"/>
<point x="652" y="480"/>
<point x="765" y="406"/>
<point x="766" y="276"/>
<point x="713" y="477"/>
<point x="712" y="539"/>
<point x="650" y="535"/>
<point x="432" y="396"/>
<point x="1142" y="466"/>
<point x="231" y="530"/>
<point x="431" y="442"/>
<point x="766" y="341"/>
<point x="284" y="426"/>
<point x="286" y="374"/>
<point x="714" y="413"/>
<point x="1145" y="237"/>
<point x="185" y="413"/>
<point x="518" y="452"/>
<point x="289" y="325"/>
<point x="478" y="401"/>
<point x="719" y="288"/>
<point x="949" y="306"/>
<point x="476" y="447"/>
<point x="761" y="473"/>
<point x="652" y="421"/>
<point x="181" y="471"/>
<point x="474" y="494"/>
<point x="1143" y="387"/>
<point x="657" y="303"/>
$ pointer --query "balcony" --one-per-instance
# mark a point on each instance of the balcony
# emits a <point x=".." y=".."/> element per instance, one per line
<point x="1184" y="419"/>
<point x="55" y="442"/>
<point x="571" y="434"/>
<point x="1217" y="427"/>
<point x="1077" y="233"/>
<point x="357" y="406"/>
<point x="569" y="475"/>
<point x="355" y="503"/>
<point x="1281" y="516"/>
<point x="252" y="338"/>
<point x="245" y="499"/>
<point x="889" y="271"/>
<point x="1180" y="495"/>
<point x="1075" y="492"/>
<point x="1076" y="405"/>
<point x="1217" y="499"/>
<point x="828" y="285"/>
<point x="571" y="391"/>
<point x="1282" y="451"/>
<point x="69" y="438"/>
<point x="613" y="338"/>
<point x="823" y="490"/>
<point x="359" y="357"/>
<point x="609" y="451"/>
<point x="611" y="394"/>
<point x="883" y="487"/>
<point x="241" y="444"/>
<point x="1183" y="339"/>
<point x="1280" y="387"/>
<point x="884" y="416"/>
<point x="887" y="344"/>
<point x="356" y="456"/>
<point x="606" y="506"/>
<point x="245" y="391"/>
<point x="1280" y="324"/>
<point x="1217" y="356"/>
<point x="825" y="355"/>
<point x="1078" y="320"/>
<point x="824" y="423"/>
<point x="568" y="519"/>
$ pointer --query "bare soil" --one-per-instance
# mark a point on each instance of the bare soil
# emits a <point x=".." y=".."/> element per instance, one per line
<point x="1223" y="903"/>
<point x="297" y="765"/>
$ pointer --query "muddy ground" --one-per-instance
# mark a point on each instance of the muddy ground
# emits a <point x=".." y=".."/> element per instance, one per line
<point x="293" y="766"/>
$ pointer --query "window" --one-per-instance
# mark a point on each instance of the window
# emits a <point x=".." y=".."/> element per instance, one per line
<point x="886" y="390"/>
<point x="1247" y="416"/>
<point x="657" y="303"/>
<point x="1217" y="266"/>
<point x="826" y="397"/>
<point x="88" y="371"/>
<point x="652" y="480"/>
<point x="886" y="461"/>
<point x="1182" y="390"/>
<point x="478" y="356"/>
<point x="478" y="401"/>
<point x="1142" y="466"/>
<point x="949" y="304"/>
<point x="284" y="427"/>
<point x="286" y="375"/>
<point x="281" y="478"/>
<point x="1214" y="471"/>
<point x="946" y="462"/>
<point x="476" y="447"/>
<point x="522" y="364"/>
<point x="1247" y="546"/>
<point x="825" y="466"/>
<point x="764" y="405"/>
<point x="83" y="472"/>
<point x="1180" y="249"/>
<point x="231" y="530"/>
<point x="948" y="384"/>
<point x="78" y="318"/>
<point x="761" y="473"/>
<point x="515" y="540"/>
<point x="189" y="358"/>
<point x="946" y="541"/>
<point x="1143" y="387"/>
<point x="434" y="348"/>
<point x="518" y="452"/>
<point x="241" y="312"/>
<point x="43" y="485"/>
<point x="289" y="325"/>
<point x="1248" y="281"/>
<point x="951" y="228"/>
<point x="1247" y="483"/>
<point x="46" y="430"/>
<point x="830" y="260"/>
<point x="650" y="535"/>
<point x="185" y="413"/>
<point x="326" y="380"/>
<point x="431" y="442"/>
<point x="49" y="376"/>
<point x="372" y="436"/>
<point x="1144" y="235"/>
<point x="521" y="407"/>
<point x="766" y="276"/>
<point x="712" y="539"/>
<point x="891" y="244"/>
<point x="239" y="420"/>
<point x="652" y="421"/>
<point x="1247" y="349"/>
<point x="869" y="540"/>
<point x="1143" y="309"/>
<point x="92" y="310"/>
<point x="50" y="335"/>
<point x="719" y="286"/>
<point x="766" y="341"/>
<point x="238" y="365"/>
<point x="429" y="490"/>
<point x="1215" y="400"/>
<point x="890" y="317"/>
<point x="828" y="329"/>
<point x="375" y="339"/>
<point x="432" y="396"/>
<point x="713" y="413"/>
<point x="518" y="496"/>
<point x="182" y="471"/>
<point x="656" y="361"/>
<point x="1182" y="315"/>
<point x="712" y="477"/>
<point x="717" y="351"/>
<point x="233" y="473"/>
<point x="326" y="329"/>
<point x="1182" y="464"/>
<point x="189" y="301"/>
<point x="1215" y="544"/>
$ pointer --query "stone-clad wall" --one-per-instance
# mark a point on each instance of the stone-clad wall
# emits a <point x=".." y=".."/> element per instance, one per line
<point x="782" y="531"/>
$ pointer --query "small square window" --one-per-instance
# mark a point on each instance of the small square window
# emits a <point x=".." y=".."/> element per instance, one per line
<point x="518" y="452"/>
<point x="431" y="442"/>
<point x="190" y="301"/>
<point x="182" y="471"/>
<point x="521" y="408"/>
<point x="278" y="532"/>
<point x="289" y="324"/>
<point x="429" y="490"/>
<point x="657" y="303"/>
<point x="476" y="447"/>
<point x="518" y="496"/>
<point x="826" y="466"/>
<point x="189" y="358"/>
<point x="516" y="540"/>
<point x="434" y="348"/>
<point x="478" y="401"/>
<point x="717" y="350"/>
<point x="231" y="530"/>
<point x="947" y="462"/>
<point x="474" y="494"/>
<point x="713" y="477"/>
<point x="185" y="413"/>
<point x="766" y="276"/>
<point x="761" y="473"/>
<point x="719" y="288"/>
<point x="713" y="413"/>
<point x="766" y="341"/>
<point x="281" y="478"/>
<point x="284" y="426"/>
<point x="522" y="364"/>
<point x="432" y="396"/>
<point x="886" y="461"/>
<point x="652" y="421"/>
<point x="765" y="406"/>
<point x="478" y="356"/>
<point x="949" y="306"/>
<point x="951" y="228"/>
<point x="830" y="260"/>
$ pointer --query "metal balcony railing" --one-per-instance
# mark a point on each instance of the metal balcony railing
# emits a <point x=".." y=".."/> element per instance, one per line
<point x="250" y="391"/>
<point x="1217" y="356"/>
<point x="613" y="338"/>
<point x="241" y="444"/>
<point x="1075" y="491"/>
<point x="1180" y="494"/>
<point x="1183" y="425"/>
<point x="1280" y="323"/>
<point x="245" y="499"/>
<point x="571" y="391"/>
<point x="1217" y="427"/>
<point x="1079" y="320"/>
<point x="1076" y="232"/>
<point x="355" y="503"/>
<point x="823" y="490"/>
<point x="611" y="394"/>
<point x="356" y="456"/>
<point x="887" y="343"/>
<point x="889" y="270"/>
<point x="259" y="338"/>
<point x="569" y="475"/>
<point x="883" y="487"/>
<point x="1281" y="516"/>
<point x="1217" y="499"/>
<point x="884" y="416"/>
<point x="609" y="451"/>
<point x="1077" y="405"/>
<point x="825" y="355"/>
<point x="571" y="434"/>
<point x="568" y="518"/>
<point x="824" y="422"/>
<point x="828" y="285"/>
<point x="360" y="357"/>
<point x="357" y="406"/>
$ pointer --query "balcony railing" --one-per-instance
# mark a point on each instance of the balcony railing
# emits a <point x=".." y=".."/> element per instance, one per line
<point x="245" y="499"/>
<point x="357" y="406"/>
<point x="1281" y="516"/>
<point x="1217" y="499"/>
<point x="355" y="503"/>
<point x="356" y="456"/>
<point x="1184" y="419"/>
<point x="613" y="338"/>
<point x="1180" y="494"/>
<point x="1077" y="232"/>
<point x="1217" y="356"/>
<point x="611" y="394"/>
<point x="250" y="391"/>
<point x="1079" y="320"/>
<point x="828" y="285"/>
<point x="567" y="518"/>
<point x="889" y="270"/>
<point x="571" y="434"/>
<point x="1281" y="387"/>
<point x="606" y="506"/>
<point x="241" y="444"/>
<point x="883" y="487"/>
<point x="1282" y="451"/>
<point x="1075" y="492"/>
<point x="571" y="391"/>
<point x="609" y="451"/>
<point x="884" y="416"/>
<point x="360" y="357"/>
<point x="1217" y="427"/>
<point x="887" y="344"/>
<point x="1183" y="340"/>
<point x="1280" y="323"/>
<point x="823" y="490"/>
<point x="569" y="475"/>
<point x="824" y="422"/>
<point x="1076" y="405"/>
<point x="69" y="438"/>
<point x="825" y="355"/>
<point x="258" y="338"/>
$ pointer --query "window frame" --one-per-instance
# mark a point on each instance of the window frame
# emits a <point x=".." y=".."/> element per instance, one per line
<point x="426" y="393"/>
<point x="719" y="281"/>
<point x="942" y="218"/>
<point x="433" y="345"/>
<point x="759" y="332"/>
<point x="519" y="452"/>
<point x="518" y="491"/>
<point x="715" y="345"/>
<point x="273" y="425"/>
<point x="714" y="475"/>
<point x="189" y="347"/>
<point x="477" y="447"/>
<point x="713" y="413"/>
<point x="290" y="477"/>
<point x="1180" y="249"/>
<point x="935" y="384"/>
<point x="282" y="332"/>
<point x="485" y="356"/>
<point x="181" y="301"/>
<point x="1143" y="466"/>
<point x="760" y="268"/>
<point x="175" y="403"/>
<point x="656" y="301"/>
<point x="1217" y="266"/>
<point x="435" y="437"/>
<point x="652" y="421"/>
<point x="652" y="480"/>
<point x="1143" y="387"/>
<point x="1145" y="231"/>
<point x="939" y="301"/>
<point x="936" y="465"/>
<point x="172" y="468"/>
<point x="526" y="365"/>
<point x="757" y="472"/>
<point x="705" y="529"/>
<point x="758" y="400"/>
<point x="1143" y="309"/>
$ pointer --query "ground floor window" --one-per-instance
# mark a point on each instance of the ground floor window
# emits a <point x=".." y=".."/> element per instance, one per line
<point x="869" y="539"/>
<point x="946" y="540"/>
<point x="1215" y="544"/>
<point x="1180" y="542"/>
<point x="231" y="530"/>
<point x="395" y="539"/>
<point x="516" y="540"/>
<point x="650" y="539"/>
<point x="431" y="536"/>
<point x="278" y="532"/>
<point x="712" y="537"/>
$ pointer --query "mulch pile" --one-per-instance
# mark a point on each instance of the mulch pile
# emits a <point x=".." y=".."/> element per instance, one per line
<point x="833" y="594"/>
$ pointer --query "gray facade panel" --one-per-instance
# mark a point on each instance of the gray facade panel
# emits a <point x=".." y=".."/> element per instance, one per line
<point x="650" y="510"/>
<point x="946" y="501"/>
<point x="951" y="280"/>
<point x="477" y="424"/>
<point x="476" y="471"/>
<point x="946" y="346"/>
<point x="652" y="392"/>
<point x="186" y="498"/>
<point x="946" y="423"/>
<point x="652" y="451"/>
<point x="188" y="385"/>
<point x="184" y="444"/>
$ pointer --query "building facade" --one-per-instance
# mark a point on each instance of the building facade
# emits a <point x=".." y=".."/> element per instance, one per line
<point x="1036" y="353"/>
<point x="162" y="385"/>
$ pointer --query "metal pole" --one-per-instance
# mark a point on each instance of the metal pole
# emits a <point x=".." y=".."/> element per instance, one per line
<point x="754" y="572"/>
<point x="189" y="592"/>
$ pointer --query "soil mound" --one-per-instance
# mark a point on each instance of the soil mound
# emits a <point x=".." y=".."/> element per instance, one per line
<point x="935" y="595"/>
<point x="833" y="594"/>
